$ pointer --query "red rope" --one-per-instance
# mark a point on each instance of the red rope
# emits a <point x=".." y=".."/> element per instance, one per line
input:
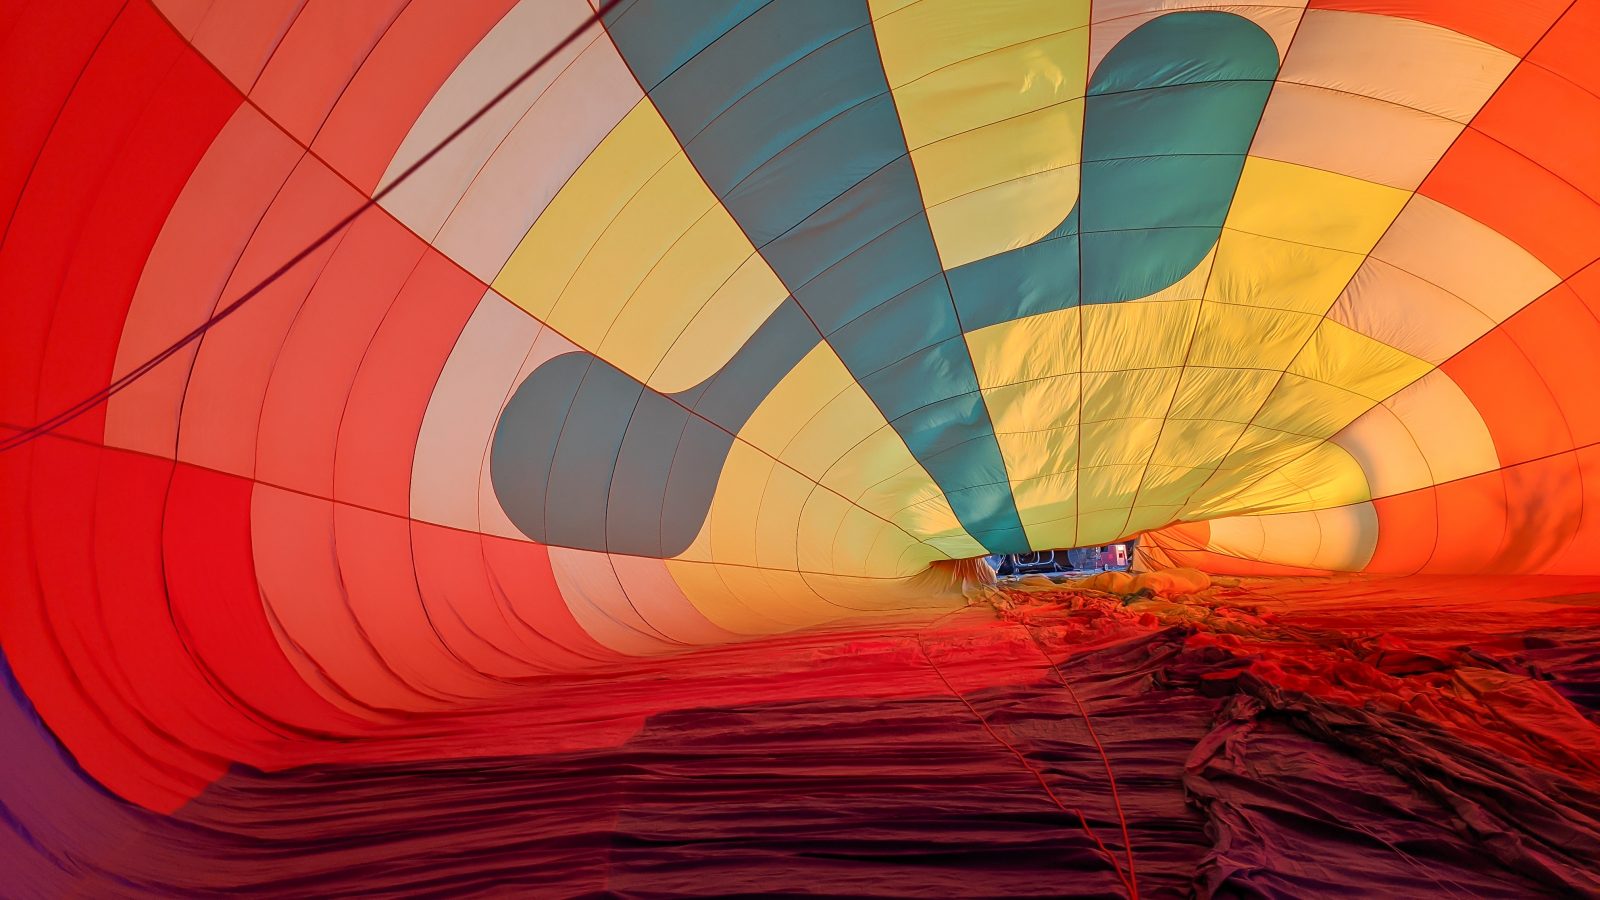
<point x="1131" y="887"/>
<point x="1116" y="798"/>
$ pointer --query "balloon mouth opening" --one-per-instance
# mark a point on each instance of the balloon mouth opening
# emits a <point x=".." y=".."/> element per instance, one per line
<point x="1065" y="562"/>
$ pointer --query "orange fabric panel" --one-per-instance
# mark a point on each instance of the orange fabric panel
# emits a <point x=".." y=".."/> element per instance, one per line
<point x="1549" y="120"/>
<point x="1515" y="403"/>
<point x="1586" y="285"/>
<point x="1472" y="524"/>
<point x="1581" y="553"/>
<point x="1407" y="531"/>
<point x="1561" y="336"/>
<point x="1221" y="564"/>
<point x="1512" y="194"/>
<point x="1544" y="507"/>
<point x="1513" y="27"/>
<point x="1568" y="50"/>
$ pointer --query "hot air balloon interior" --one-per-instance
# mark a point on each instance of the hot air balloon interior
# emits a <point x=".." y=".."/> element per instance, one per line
<point x="652" y="448"/>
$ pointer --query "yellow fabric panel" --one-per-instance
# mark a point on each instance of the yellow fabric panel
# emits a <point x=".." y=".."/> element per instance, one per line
<point x="734" y="504"/>
<point x="1002" y="186"/>
<point x="1170" y="487"/>
<point x="784" y="597"/>
<point x="1035" y="453"/>
<point x="812" y="384"/>
<point x="935" y="524"/>
<point x="846" y="420"/>
<point x="1253" y="270"/>
<point x="636" y="261"/>
<point x="1305" y="406"/>
<point x="1260" y="449"/>
<point x="1026" y="349"/>
<point x="916" y="39"/>
<point x="1222" y="394"/>
<point x="1331" y="475"/>
<point x="1048" y="506"/>
<point x="1322" y="476"/>
<point x="990" y="98"/>
<point x="1036" y="405"/>
<point x="720" y="327"/>
<point x="820" y="423"/>
<point x="1129" y="393"/>
<point x="703" y="585"/>
<point x="796" y="523"/>
<point x="824" y="515"/>
<point x="776" y="508"/>
<point x="1044" y="141"/>
<point x="1195" y="443"/>
<point x="1103" y="526"/>
<point x="547" y="257"/>
<point x="1148" y="518"/>
<point x="1036" y="427"/>
<point x="643" y="232"/>
<point x="1357" y="363"/>
<point x="1118" y="336"/>
<point x="1118" y="441"/>
<point x="673" y="291"/>
<point x="997" y="85"/>
<point x="1003" y="217"/>
<point x="1323" y="209"/>
<point x="1249" y="337"/>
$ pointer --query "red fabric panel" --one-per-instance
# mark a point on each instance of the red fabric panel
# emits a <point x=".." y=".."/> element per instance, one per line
<point x="178" y="120"/>
<point x="201" y="242"/>
<point x="125" y="142"/>
<point x="239" y="37"/>
<point x="222" y="405"/>
<point x="42" y="53"/>
<point x="162" y="677"/>
<point x="521" y="570"/>
<point x="379" y="577"/>
<point x="217" y="607"/>
<point x="404" y="71"/>
<point x="390" y="393"/>
<point x="471" y="619"/>
<point x="297" y="568"/>
<point x="316" y="60"/>
<point x="56" y="640"/>
<point x="1586" y="286"/>
<point x="308" y="386"/>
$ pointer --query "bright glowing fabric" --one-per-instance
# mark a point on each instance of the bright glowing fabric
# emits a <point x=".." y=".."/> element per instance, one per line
<point x="741" y="317"/>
